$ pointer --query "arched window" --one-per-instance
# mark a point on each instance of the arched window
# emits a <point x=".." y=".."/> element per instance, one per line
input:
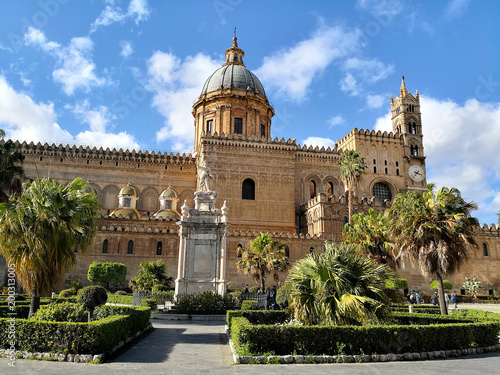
<point x="485" y="249"/>
<point x="248" y="189"/>
<point x="239" y="245"/>
<point x="382" y="192"/>
<point x="159" y="246"/>
<point x="311" y="250"/>
<point x="238" y="125"/>
<point x="413" y="150"/>
<point x="329" y="188"/>
<point x="312" y="189"/>
<point x="130" y="247"/>
<point x="287" y="251"/>
<point x="105" y="247"/>
<point x="346" y="220"/>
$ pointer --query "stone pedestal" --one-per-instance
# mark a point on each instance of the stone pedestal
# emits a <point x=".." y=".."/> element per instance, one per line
<point x="202" y="246"/>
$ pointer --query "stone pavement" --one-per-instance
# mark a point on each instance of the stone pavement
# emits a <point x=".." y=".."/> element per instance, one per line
<point x="188" y="347"/>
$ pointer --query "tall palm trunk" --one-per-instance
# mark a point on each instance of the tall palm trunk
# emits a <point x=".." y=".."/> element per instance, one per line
<point x="349" y="205"/>
<point x="442" y="300"/>
<point x="263" y="281"/>
<point x="34" y="303"/>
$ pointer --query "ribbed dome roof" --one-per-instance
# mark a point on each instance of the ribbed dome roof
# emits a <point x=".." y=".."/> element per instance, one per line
<point x="168" y="193"/>
<point x="233" y="76"/>
<point x="128" y="191"/>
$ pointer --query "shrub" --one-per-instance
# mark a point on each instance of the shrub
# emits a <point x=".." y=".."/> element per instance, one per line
<point x="149" y="302"/>
<point x="61" y="312"/>
<point x="94" y="338"/>
<point x="396" y="283"/>
<point x="106" y="272"/>
<point x="304" y="340"/>
<point x="159" y="288"/>
<point x="204" y="303"/>
<point x="249" y="305"/>
<point x="91" y="297"/>
<point x="446" y="285"/>
<point x="67" y="293"/>
<point x="253" y="289"/>
<point x="283" y="296"/>
<point x="121" y="293"/>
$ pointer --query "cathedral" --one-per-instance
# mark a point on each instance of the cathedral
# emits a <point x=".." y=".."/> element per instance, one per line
<point x="274" y="186"/>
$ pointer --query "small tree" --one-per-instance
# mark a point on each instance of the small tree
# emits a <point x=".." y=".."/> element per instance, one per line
<point x="150" y="274"/>
<point x="396" y="283"/>
<point x="264" y="255"/>
<point x="107" y="272"/>
<point x="91" y="297"/>
<point x="446" y="285"/>
<point x="472" y="286"/>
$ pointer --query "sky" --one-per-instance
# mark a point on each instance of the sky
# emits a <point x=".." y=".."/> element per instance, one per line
<point x="124" y="74"/>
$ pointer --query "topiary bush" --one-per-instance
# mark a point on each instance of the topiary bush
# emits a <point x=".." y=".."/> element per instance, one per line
<point x="396" y="283"/>
<point x="283" y="296"/>
<point x="91" y="297"/>
<point x="61" y="312"/>
<point x="67" y="293"/>
<point x="121" y="293"/>
<point x="249" y="305"/>
<point x="107" y="272"/>
<point x="253" y="289"/>
<point x="446" y="285"/>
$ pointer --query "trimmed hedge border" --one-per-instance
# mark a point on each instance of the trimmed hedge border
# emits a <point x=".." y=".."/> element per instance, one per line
<point x="103" y="336"/>
<point x="394" y="342"/>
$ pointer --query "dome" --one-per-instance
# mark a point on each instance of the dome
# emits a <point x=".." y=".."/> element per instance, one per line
<point x="128" y="191"/>
<point x="168" y="193"/>
<point x="233" y="74"/>
<point x="126" y="213"/>
<point x="165" y="215"/>
<point x="235" y="77"/>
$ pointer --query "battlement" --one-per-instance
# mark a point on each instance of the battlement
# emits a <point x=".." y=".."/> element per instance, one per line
<point x="80" y="152"/>
<point x="492" y="229"/>
<point x="231" y="139"/>
<point x="369" y="135"/>
<point x="370" y="202"/>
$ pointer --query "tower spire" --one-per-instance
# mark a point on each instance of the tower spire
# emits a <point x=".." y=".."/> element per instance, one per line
<point x="403" y="91"/>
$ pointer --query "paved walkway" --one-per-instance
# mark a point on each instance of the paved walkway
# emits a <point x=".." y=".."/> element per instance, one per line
<point x="180" y="347"/>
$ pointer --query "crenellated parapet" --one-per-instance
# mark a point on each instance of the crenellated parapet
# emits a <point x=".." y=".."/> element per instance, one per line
<point x="80" y="152"/>
<point x="485" y="229"/>
<point x="239" y="141"/>
<point x="362" y="135"/>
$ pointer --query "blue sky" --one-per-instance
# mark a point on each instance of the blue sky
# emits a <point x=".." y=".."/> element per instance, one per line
<point x="125" y="73"/>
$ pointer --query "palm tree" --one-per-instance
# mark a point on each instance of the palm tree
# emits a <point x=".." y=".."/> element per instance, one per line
<point x="352" y="167"/>
<point x="371" y="234"/>
<point x="11" y="173"/>
<point x="339" y="286"/>
<point x="434" y="230"/>
<point x="41" y="229"/>
<point x="150" y="274"/>
<point x="264" y="255"/>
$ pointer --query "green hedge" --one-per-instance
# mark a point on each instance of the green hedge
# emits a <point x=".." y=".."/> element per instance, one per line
<point x="258" y="316"/>
<point x="84" y="338"/>
<point x="334" y="340"/>
<point x="119" y="299"/>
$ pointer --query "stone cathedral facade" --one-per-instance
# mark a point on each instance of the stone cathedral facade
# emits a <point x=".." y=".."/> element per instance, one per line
<point x="270" y="185"/>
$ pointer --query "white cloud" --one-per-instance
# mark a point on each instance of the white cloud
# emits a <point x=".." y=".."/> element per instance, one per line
<point x="25" y="120"/>
<point x="98" y="119"/>
<point x="381" y="8"/>
<point x="138" y="10"/>
<point x="336" y="120"/>
<point x="291" y="71"/>
<point x="461" y="145"/>
<point x="74" y="67"/>
<point x="126" y="47"/>
<point x="361" y="73"/>
<point x="375" y="101"/>
<point x="318" y="141"/>
<point x="456" y="8"/>
<point x="175" y="83"/>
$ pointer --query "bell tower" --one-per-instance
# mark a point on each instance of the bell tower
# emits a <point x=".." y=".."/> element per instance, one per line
<point x="407" y="122"/>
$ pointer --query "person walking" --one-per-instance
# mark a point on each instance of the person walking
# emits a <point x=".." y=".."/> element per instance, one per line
<point x="417" y="298"/>
<point x="454" y="300"/>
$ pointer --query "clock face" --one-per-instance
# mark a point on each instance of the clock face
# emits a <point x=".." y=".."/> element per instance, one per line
<point x="416" y="173"/>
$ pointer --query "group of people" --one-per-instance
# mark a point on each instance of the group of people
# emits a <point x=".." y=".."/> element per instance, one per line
<point x="447" y="299"/>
